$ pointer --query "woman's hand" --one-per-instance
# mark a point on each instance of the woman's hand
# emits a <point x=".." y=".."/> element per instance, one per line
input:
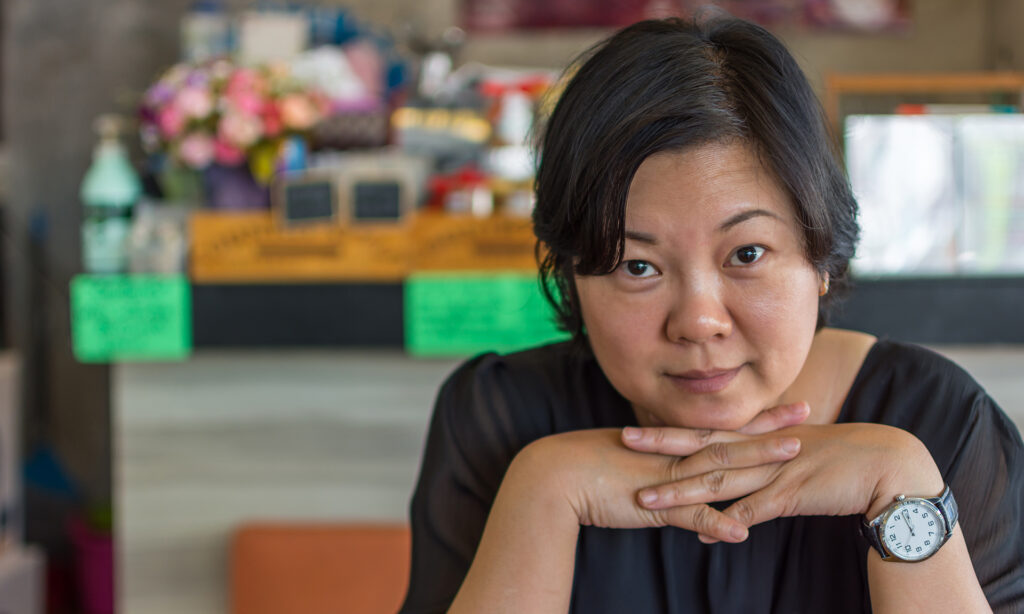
<point x="841" y="469"/>
<point x="599" y="476"/>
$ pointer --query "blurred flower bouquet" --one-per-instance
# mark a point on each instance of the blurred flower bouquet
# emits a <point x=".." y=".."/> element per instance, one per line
<point x="229" y="122"/>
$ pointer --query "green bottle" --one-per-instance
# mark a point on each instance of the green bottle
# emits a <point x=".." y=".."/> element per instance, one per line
<point x="109" y="191"/>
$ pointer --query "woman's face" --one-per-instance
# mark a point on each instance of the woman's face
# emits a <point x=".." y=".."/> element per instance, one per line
<point x="710" y="316"/>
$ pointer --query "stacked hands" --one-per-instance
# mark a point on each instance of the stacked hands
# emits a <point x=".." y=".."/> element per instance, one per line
<point x="774" y="467"/>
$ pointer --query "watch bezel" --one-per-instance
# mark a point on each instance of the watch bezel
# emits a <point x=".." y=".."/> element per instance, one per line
<point x="898" y="504"/>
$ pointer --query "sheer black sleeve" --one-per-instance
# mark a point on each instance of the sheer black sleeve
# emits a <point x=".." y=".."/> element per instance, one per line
<point x="483" y="416"/>
<point x="987" y="479"/>
<point x="974" y="444"/>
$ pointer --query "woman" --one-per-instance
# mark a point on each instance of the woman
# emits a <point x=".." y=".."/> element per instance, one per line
<point x="704" y="443"/>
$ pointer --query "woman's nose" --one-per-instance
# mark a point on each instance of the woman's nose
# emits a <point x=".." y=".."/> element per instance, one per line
<point x="698" y="314"/>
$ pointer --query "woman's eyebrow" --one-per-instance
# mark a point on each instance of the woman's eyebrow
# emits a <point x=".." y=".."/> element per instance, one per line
<point x="744" y="216"/>
<point x="642" y="237"/>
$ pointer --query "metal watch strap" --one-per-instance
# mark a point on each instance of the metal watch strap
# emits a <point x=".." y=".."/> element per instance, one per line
<point x="946" y="505"/>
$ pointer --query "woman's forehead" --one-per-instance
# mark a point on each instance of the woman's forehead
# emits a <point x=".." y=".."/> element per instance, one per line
<point x="707" y="182"/>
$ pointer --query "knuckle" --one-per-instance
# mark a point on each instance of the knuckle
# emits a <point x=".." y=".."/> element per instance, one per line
<point x="703" y="522"/>
<point x="744" y="512"/>
<point x="713" y="481"/>
<point x="719" y="453"/>
<point x="656" y="518"/>
<point x="677" y="468"/>
<point x="658" y="439"/>
<point x="703" y="436"/>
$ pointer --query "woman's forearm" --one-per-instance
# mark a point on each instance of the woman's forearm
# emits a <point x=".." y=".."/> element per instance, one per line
<point x="526" y="557"/>
<point x="944" y="583"/>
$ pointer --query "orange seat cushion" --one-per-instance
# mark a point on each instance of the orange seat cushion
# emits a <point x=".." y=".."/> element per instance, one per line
<point x="319" y="569"/>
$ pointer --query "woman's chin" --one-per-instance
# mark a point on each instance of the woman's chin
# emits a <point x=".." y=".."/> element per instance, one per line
<point x="697" y="418"/>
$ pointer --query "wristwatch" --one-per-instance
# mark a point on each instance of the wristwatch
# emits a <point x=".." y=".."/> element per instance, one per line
<point x="912" y="529"/>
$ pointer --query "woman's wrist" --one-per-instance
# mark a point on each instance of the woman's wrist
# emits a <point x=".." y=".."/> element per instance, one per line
<point x="908" y="469"/>
<point x="540" y="475"/>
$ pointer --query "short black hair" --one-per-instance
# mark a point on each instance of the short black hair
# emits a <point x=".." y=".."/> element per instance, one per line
<point x="673" y="84"/>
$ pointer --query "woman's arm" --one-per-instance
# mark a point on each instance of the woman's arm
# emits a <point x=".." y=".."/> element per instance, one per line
<point x="843" y="469"/>
<point x="946" y="582"/>
<point x="526" y="557"/>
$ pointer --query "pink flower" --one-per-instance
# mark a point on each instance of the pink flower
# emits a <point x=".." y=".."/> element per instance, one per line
<point x="298" y="112"/>
<point x="245" y="80"/>
<point x="240" y="129"/>
<point x="246" y="101"/>
<point x="195" y="102"/>
<point x="272" y="125"/>
<point x="171" y="121"/>
<point x="197" y="150"/>
<point x="227" y="154"/>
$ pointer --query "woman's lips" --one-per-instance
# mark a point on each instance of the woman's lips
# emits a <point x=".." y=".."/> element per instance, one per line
<point x="704" y="382"/>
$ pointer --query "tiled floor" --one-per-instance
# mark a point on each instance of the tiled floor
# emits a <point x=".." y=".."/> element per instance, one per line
<point x="229" y="437"/>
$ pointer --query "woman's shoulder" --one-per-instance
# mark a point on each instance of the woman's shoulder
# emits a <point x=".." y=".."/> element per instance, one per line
<point x="920" y="390"/>
<point x="913" y="365"/>
<point x="525" y="368"/>
<point x="558" y="385"/>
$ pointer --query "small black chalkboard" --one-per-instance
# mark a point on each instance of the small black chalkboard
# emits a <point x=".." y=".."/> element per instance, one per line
<point x="376" y="200"/>
<point x="307" y="202"/>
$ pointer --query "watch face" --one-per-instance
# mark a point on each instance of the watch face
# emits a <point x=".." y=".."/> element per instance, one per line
<point x="913" y="530"/>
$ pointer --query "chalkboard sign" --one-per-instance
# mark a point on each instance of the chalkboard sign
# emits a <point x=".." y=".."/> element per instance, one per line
<point x="308" y="201"/>
<point x="376" y="200"/>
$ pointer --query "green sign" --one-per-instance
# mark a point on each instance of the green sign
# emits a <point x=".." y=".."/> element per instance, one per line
<point x="131" y="317"/>
<point x="452" y="314"/>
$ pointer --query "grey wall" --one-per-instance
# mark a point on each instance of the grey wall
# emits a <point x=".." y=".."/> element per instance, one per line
<point x="65" y="61"/>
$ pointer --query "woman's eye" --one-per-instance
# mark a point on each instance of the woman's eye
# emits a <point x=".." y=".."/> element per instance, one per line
<point x="639" y="268"/>
<point x="748" y="254"/>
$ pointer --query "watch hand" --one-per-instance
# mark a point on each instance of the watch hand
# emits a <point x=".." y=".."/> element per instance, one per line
<point x="906" y="517"/>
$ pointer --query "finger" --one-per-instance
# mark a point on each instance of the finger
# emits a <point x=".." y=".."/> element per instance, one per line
<point x="735" y="455"/>
<point x="758" y="507"/>
<point x="718" y="485"/>
<point x="674" y="441"/>
<point x="777" y="418"/>
<point x="705" y="520"/>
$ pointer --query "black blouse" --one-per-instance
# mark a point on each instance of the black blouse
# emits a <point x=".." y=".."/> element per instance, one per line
<point x="493" y="406"/>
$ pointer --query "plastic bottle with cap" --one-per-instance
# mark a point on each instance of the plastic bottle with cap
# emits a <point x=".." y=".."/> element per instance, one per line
<point x="109" y="191"/>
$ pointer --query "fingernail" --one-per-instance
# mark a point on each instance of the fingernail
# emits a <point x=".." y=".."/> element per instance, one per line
<point x="738" y="533"/>
<point x="791" y="446"/>
<point x="648" y="497"/>
<point x="800" y="408"/>
<point x="631" y="433"/>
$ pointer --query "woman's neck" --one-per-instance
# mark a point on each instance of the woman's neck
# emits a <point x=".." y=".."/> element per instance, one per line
<point x="833" y="363"/>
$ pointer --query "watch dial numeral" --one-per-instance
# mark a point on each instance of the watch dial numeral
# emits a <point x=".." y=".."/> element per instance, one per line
<point x="927" y="542"/>
<point x="919" y="548"/>
<point x="907" y="548"/>
<point x="896" y="517"/>
<point x="930" y="533"/>
<point x="892" y="537"/>
<point x="931" y="523"/>
<point x="916" y="511"/>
